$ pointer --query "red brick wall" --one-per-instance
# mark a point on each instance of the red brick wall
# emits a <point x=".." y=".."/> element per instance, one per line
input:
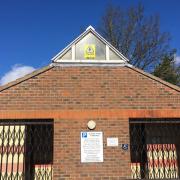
<point x="67" y="162"/>
<point x="89" y="88"/>
<point x="74" y="95"/>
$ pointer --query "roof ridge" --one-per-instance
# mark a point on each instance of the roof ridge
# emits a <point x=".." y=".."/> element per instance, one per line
<point x="26" y="77"/>
<point x="172" y="86"/>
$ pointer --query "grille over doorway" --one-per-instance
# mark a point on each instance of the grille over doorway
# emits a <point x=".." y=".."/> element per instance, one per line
<point x="155" y="148"/>
<point x="26" y="150"/>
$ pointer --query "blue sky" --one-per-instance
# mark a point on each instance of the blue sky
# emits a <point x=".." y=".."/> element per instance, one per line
<point x="33" y="31"/>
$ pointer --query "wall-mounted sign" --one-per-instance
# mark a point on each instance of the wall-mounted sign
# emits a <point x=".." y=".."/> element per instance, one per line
<point x="112" y="141"/>
<point x="89" y="51"/>
<point x="91" y="147"/>
<point x="125" y="146"/>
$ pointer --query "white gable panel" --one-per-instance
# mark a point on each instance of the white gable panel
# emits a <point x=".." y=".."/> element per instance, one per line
<point x="66" y="55"/>
<point x="113" y="55"/>
<point x="90" y="47"/>
<point x="90" y="39"/>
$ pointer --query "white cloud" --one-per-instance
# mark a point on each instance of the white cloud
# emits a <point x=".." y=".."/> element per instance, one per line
<point x="177" y="60"/>
<point x="16" y="72"/>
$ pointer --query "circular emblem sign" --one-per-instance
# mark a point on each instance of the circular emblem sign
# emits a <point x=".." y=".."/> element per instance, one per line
<point x="89" y="51"/>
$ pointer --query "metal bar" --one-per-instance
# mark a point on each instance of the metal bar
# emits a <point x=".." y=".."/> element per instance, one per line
<point x="154" y="121"/>
<point x="7" y="156"/>
<point x="24" y="150"/>
<point x="2" y="123"/>
<point x="18" y="151"/>
<point x="51" y="173"/>
<point x="163" y="159"/>
<point x="143" y="153"/>
<point x="158" y="163"/>
<point x="13" y="144"/>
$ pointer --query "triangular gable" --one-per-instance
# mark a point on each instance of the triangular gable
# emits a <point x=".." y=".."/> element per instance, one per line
<point x="90" y="47"/>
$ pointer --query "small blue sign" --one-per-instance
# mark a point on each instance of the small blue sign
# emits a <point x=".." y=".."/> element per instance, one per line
<point x="125" y="146"/>
<point x="84" y="135"/>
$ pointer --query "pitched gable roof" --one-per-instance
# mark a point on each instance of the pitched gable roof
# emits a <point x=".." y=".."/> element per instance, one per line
<point x="172" y="86"/>
<point x="71" y="46"/>
<point x="46" y="68"/>
<point x="122" y="62"/>
<point x="25" y="78"/>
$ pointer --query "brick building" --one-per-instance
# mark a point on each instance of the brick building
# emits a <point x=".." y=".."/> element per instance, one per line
<point x="89" y="99"/>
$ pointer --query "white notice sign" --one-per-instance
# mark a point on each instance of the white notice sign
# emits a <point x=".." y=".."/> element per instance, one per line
<point x="112" y="141"/>
<point x="91" y="147"/>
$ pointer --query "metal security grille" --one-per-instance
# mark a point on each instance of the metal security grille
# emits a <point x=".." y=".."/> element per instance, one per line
<point x="26" y="150"/>
<point x="155" y="148"/>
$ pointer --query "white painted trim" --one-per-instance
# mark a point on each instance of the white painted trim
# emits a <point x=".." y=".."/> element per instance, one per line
<point x="73" y="52"/>
<point x="89" y="29"/>
<point x="89" y="64"/>
<point x="110" y="46"/>
<point x="69" y="46"/>
<point x="90" y="61"/>
<point x="107" y="53"/>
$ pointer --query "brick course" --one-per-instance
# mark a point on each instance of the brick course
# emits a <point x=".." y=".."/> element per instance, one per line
<point x="74" y="95"/>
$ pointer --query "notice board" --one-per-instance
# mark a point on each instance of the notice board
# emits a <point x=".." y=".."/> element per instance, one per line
<point x="91" y="147"/>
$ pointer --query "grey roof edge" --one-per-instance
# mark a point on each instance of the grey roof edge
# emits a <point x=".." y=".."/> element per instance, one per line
<point x="172" y="86"/>
<point x="26" y="77"/>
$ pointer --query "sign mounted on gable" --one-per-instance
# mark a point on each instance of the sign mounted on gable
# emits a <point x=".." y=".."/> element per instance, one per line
<point x="89" y="51"/>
